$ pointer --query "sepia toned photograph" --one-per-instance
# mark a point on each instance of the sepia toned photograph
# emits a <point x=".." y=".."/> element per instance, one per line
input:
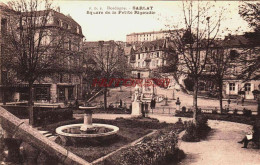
<point x="129" y="82"/>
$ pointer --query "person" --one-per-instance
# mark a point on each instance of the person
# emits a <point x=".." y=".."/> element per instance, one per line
<point x="242" y="101"/>
<point x="252" y="136"/>
<point x="146" y="108"/>
<point x="120" y="103"/>
<point x="142" y="109"/>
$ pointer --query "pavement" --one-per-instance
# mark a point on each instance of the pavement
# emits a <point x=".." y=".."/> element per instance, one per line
<point x="220" y="147"/>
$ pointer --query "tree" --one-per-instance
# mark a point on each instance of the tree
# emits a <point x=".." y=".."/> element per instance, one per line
<point x="111" y="63"/>
<point x="193" y="42"/>
<point x="250" y="12"/>
<point x="31" y="48"/>
<point x="221" y="60"/>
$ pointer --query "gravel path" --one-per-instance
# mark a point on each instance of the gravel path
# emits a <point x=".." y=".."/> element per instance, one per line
<point x="221" y="147"/>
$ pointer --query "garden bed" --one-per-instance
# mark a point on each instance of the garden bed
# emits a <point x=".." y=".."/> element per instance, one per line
<point x="129" y="131"/>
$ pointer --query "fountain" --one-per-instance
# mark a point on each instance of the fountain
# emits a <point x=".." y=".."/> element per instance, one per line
<point x="88" y="132"/>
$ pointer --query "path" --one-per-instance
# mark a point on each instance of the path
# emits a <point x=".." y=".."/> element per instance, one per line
<point x="220" y="148"/>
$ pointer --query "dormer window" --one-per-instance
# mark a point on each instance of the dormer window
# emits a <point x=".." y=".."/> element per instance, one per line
<point x="65" y="25"/>
<point x="77" y="29"/>
<point x="57" y="22"/>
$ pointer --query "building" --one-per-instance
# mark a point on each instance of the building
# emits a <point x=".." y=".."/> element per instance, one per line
<point x="5" y="15"/>
<point x="246" y="48"/>
<point x="239" y="49"/>
<point x="147" y="36"/>
<point x="63" y="82"/>
<point x="150" y="56"/>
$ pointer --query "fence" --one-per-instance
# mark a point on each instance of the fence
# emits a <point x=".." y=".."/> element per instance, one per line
<point x="162" y="110"/>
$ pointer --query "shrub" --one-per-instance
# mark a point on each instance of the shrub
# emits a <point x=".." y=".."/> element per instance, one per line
<point x="47" y="116"/>
<point x="247" y="112"/>
<point x="235" y="112"/>
<point x="215" y="111"/>
<point x="191" y="134"/>
<point x="183" y="109"/>
<point x="160" y="148"/>
<point x="195" y="132"/>
<point x="189" y="84"/>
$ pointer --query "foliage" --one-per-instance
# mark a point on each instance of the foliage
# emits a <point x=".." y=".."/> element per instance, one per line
<point x="129" y="130"/>
<point x="250" y="12"/>
<point x="189" y="84"/>
<point x="200" y="29"/>
<point x="110" y="63"/>
<point x="45" y="116"/>
<point x="158" y="149"/>
<point x="195" y="132"/>
<point x="247" y="112"/>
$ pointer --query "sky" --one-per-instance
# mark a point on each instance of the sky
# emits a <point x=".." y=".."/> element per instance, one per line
<point x="116" y="26"/>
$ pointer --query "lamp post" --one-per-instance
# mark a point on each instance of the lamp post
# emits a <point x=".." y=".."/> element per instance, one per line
<point x="229" y="101"/>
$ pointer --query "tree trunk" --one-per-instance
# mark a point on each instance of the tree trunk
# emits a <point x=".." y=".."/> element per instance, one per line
<point x="105" y="98"/>
<point x="195" y="99"/>
<point x="30" y="104"/>
<point x="3" y="96"/>
<point x="220" y="96"/>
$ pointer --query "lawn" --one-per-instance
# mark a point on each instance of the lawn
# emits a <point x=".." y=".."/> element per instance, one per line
<point x="129" y="131"/>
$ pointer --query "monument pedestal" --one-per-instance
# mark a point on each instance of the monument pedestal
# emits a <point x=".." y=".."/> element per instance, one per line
<point x="136" y="109"/>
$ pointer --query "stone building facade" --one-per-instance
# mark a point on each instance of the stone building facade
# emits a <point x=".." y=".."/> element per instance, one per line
<point x="65" y="82"/>
<point x="150" y="56"/>
<point x="146" y="36"/>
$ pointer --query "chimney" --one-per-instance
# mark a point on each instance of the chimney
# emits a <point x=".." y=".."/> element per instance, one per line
<point x="58" y="9"/>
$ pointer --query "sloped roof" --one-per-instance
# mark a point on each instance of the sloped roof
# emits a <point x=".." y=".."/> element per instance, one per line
<point x="95" y="44"/>
<point x="241" y="40"/>
<point x="150" y="45"/>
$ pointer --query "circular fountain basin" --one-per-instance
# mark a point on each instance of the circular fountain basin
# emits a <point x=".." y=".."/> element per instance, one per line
<point x="70" y="134"/>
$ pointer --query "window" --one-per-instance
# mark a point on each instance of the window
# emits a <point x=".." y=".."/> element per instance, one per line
<point x="65" y="25"/>
<point x="232" y="86"/>
<point x="57" y="22"/>
<point x="3" y="26"/>
<point x="158" y="54"/>
<point x="42" y="93"/>
<point x="69" y="44"/>
<point x="247" y="87"/>
<point x="233" y="54"/>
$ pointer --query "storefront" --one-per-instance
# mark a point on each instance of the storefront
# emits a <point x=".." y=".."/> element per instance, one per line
<point x="65" y="92"/>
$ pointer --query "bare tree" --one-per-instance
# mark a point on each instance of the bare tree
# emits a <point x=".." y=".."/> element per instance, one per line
<point x="250" y="12"/>
<point x="193" y="43"/>
<point x="111" y="63"/>
<point x="31" y="47"/>
<point x="221" y="61"/>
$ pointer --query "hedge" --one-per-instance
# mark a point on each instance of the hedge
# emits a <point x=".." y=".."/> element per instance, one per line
<point x="48" y="116"/>
<point x="195" y="133"/>
<point x="157" y="149"/>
